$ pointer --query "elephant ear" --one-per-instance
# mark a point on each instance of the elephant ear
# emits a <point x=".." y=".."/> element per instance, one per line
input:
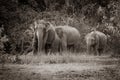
<point x="59" y="31"/>
<point x="47" y="26"/>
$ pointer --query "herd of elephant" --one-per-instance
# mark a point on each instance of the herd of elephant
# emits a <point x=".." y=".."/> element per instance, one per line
<point x="66" y="37"/>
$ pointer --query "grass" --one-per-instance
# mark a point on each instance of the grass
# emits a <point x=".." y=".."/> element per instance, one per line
<point x="55" y="58"/>
<point x="51" y="59"/>
<point x="57" y="67"/>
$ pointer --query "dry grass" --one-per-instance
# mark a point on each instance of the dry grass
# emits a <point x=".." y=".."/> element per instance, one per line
<point x="67" y="57"/>
<point x="56" y="58"/>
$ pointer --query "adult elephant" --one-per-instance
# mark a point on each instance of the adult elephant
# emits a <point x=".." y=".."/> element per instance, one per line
<point x="44" y="36"/>
<point x="96" y="42"/>
<point x="56" y="44"/>
<point x="69" y="37"/>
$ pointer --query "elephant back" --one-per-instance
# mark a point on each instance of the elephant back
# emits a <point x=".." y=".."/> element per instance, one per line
<point x="72" y="34"/>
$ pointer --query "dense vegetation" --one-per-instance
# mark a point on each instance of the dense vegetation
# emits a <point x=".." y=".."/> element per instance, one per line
<point x="17" y="16"/>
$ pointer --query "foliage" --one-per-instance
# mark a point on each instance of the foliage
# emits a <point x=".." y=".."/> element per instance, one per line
<point x="18" y="15"/>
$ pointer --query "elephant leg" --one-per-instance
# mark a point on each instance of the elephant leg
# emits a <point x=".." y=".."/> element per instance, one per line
<point x="100" y="51"/>
<point x="92" y="50"/>
<point x="75" y="48"/>
<point x="60" y="48"/>
<point x="96" y="52"/>
<point x="69" y="48"/>
<point x="64" y="44"/>
<point x="64" y="47"/>
<point x="48" y="48"/>
<point x="35" y="46"/>
<point x="48" y="51"/>
<point x="89" y="49"/>
<point x="72" y="48"/>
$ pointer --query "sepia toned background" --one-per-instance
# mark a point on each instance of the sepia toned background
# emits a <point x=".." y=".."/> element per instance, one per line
<point x="17" y="18"/>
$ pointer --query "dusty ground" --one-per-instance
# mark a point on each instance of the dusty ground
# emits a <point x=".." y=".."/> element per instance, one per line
<point x="100" y="69"/>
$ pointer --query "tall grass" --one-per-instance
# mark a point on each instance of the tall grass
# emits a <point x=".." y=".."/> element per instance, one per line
<point x="57" y="58"/>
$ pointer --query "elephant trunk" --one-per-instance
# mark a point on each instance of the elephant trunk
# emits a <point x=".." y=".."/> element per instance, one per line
<point x="45" y="37"/>
<point x="40" y="41"/>
<point x="34" y="45"/>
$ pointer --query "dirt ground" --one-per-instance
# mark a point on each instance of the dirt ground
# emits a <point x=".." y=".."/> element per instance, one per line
<point x="102" y="69"/>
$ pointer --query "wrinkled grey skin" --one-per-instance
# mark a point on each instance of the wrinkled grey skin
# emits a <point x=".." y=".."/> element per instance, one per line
<point x="44" y="36"/>
<point x="56" y="44"/>
<point x="69" y="37"/>
<point x="96" y="42"/>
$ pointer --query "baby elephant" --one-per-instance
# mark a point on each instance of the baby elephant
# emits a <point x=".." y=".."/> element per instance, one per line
<point x="96" y="42"/>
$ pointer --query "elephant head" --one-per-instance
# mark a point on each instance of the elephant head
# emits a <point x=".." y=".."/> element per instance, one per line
<point x="61" y="36"/>
<point x="69" y="36"/>
<point x="92" y="41"/>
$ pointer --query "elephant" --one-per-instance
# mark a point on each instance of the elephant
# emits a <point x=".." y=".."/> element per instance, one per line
<point x="69" y="37"/>
<point x="56" y="44"/>
<point x="96" y="42"/>
<point x="44" y="36"/>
